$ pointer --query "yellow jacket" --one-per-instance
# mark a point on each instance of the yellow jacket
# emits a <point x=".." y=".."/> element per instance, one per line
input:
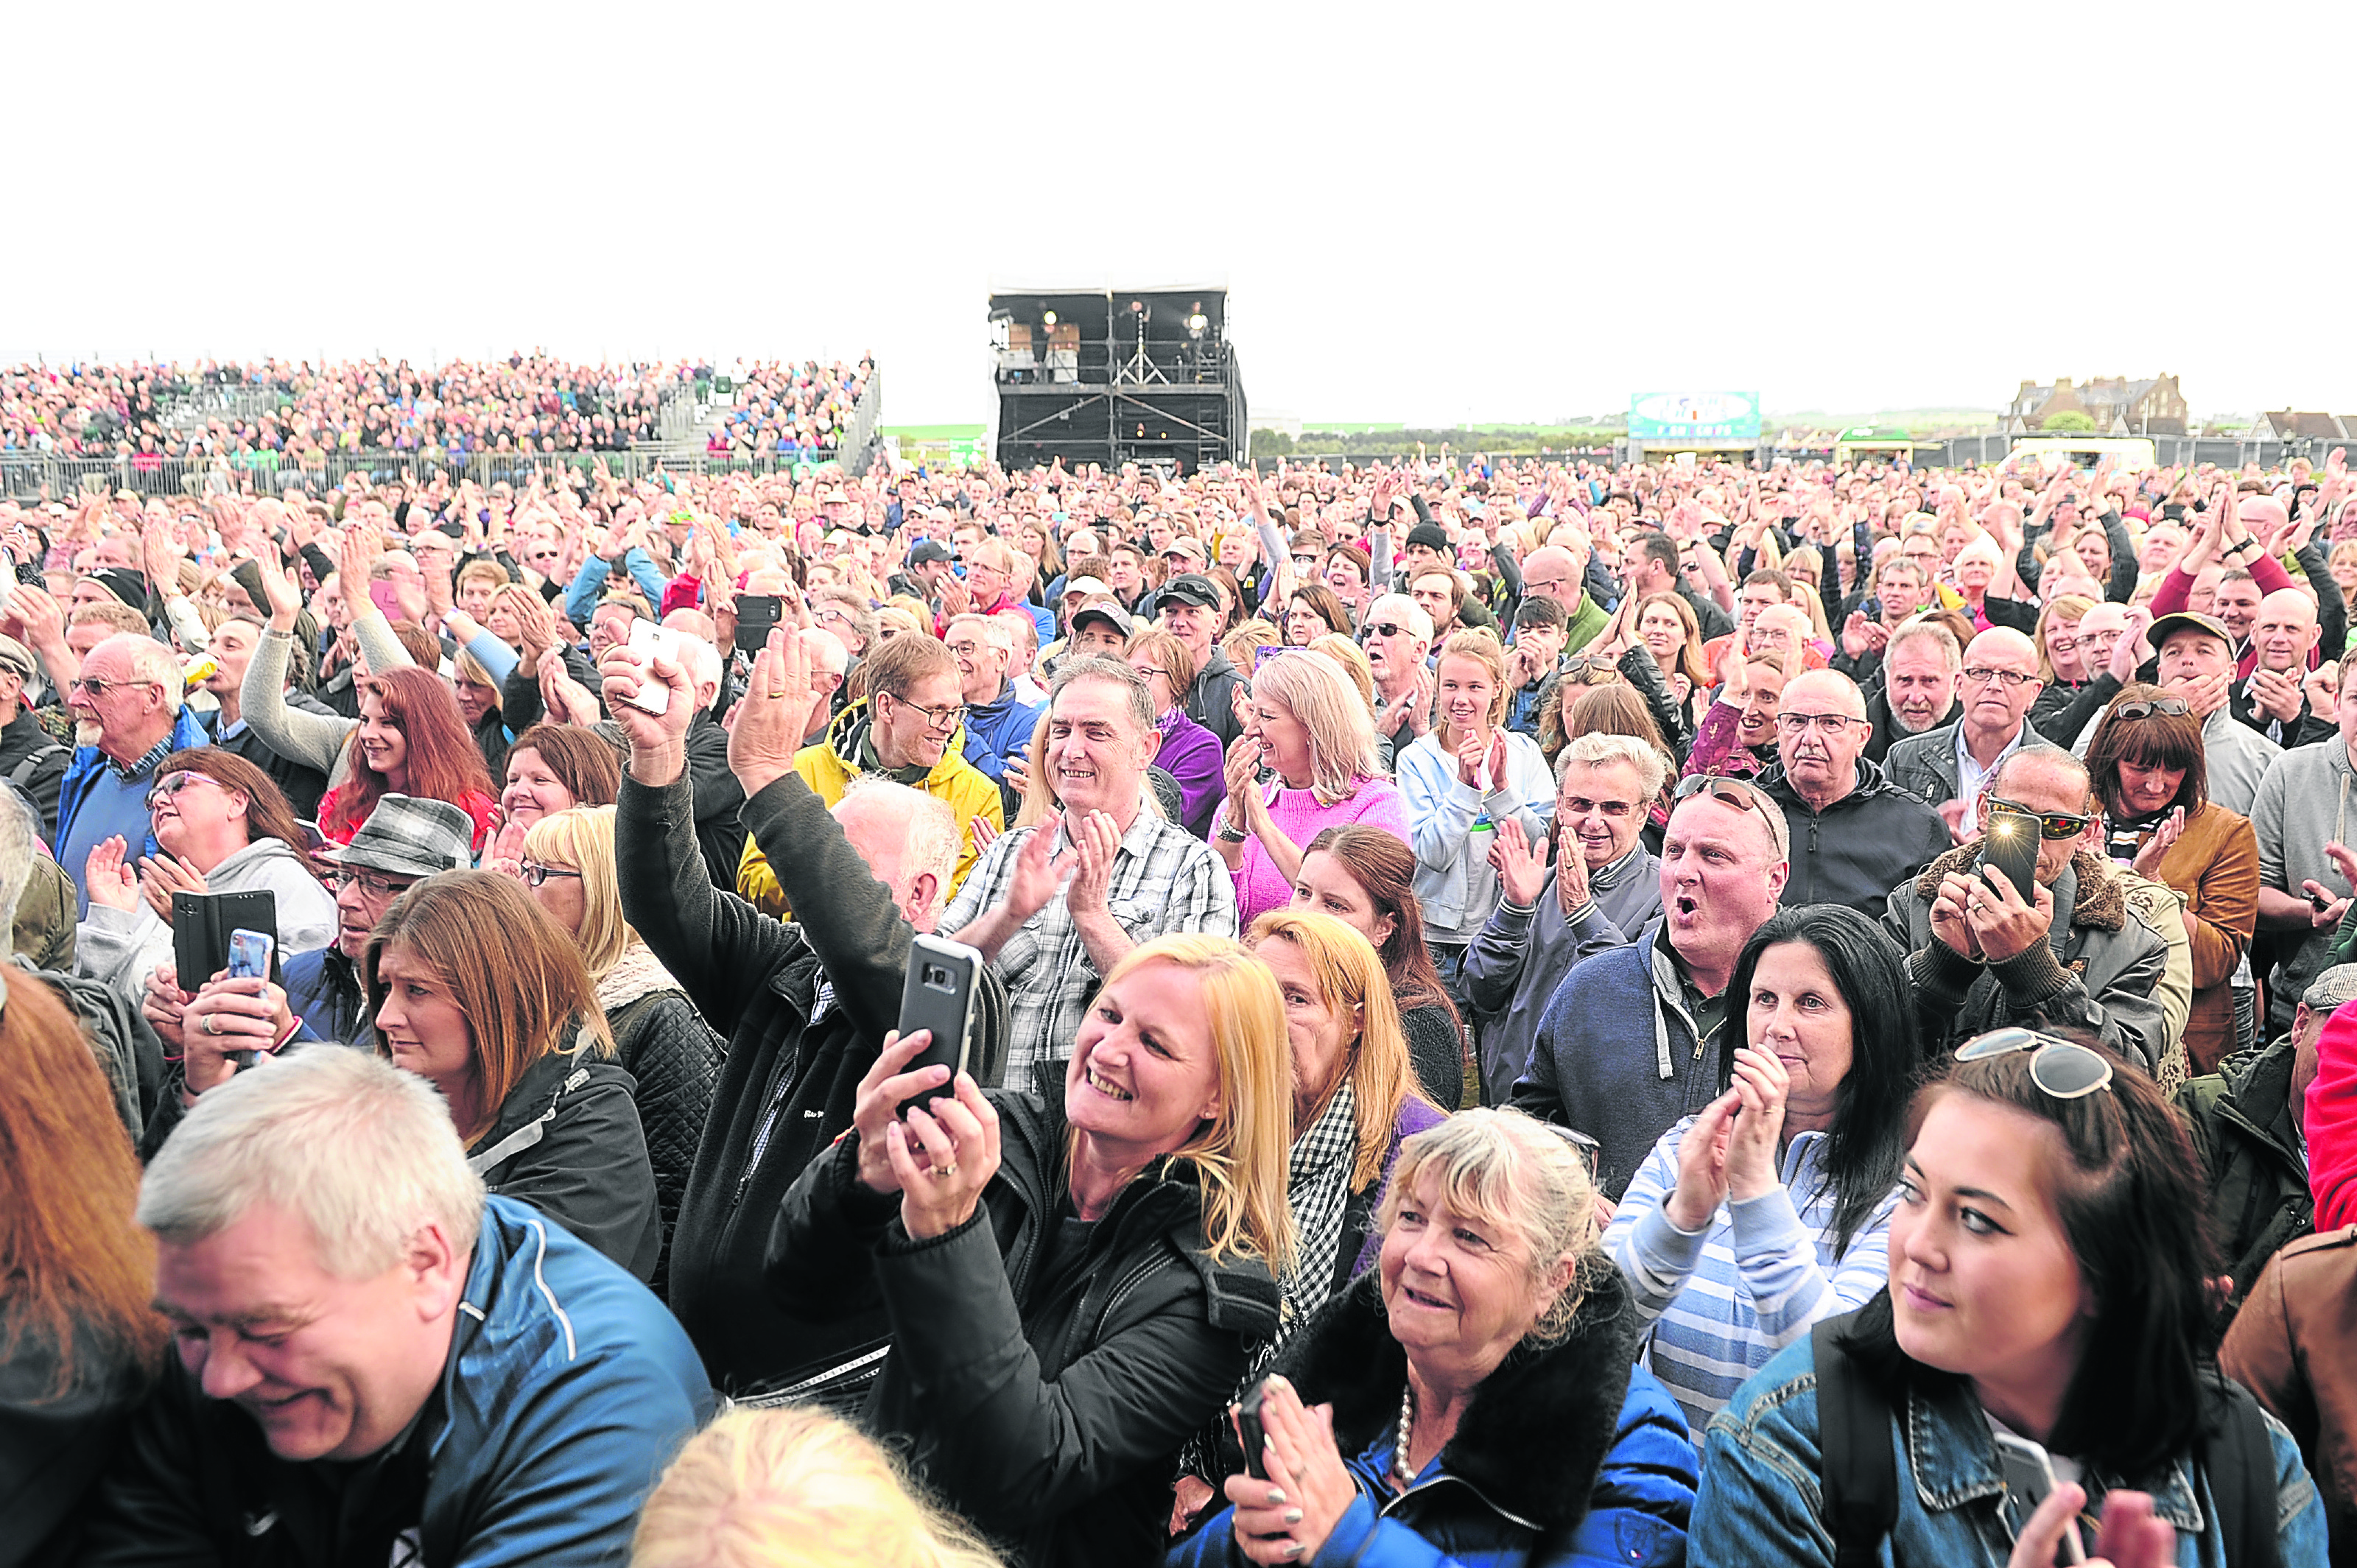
<point x="829" y="766"/>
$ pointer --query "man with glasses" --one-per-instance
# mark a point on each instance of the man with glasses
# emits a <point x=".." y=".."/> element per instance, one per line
<point x="998" y="721"/>
<point x="1630" y="1041"/>
<point x="1551" y="571"/>
<point x="2066" y="952"/>
<point x="1947" y="765"/>
<point x="128" y="716"/>
<point x="1397" y="637"/>
<point x="904" y="730"/>
<point x="405" y="840"/>
<point x="1603" y="887"/>
<point x="1855" y="835"/>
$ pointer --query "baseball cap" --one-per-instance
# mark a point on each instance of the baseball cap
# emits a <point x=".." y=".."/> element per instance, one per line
<point x="409" y="835"/>
<point x="927" y="549"/>
<point x="2171" y="625"/>
<point x="1088" y="588"/>
<point x="15" y="655"/>
<point x="1431" y="536"/>
<point x="1107" y="611"/>
<point x="1189" y="588"/>
<point x="1186" y="545"/>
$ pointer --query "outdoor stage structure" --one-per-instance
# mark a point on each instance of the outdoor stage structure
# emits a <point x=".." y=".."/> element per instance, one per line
<point x="1114" y="376"/>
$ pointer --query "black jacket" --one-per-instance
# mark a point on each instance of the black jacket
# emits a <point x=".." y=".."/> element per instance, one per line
<point x="1886" y="725"/>
<point x="804" y="1008"/>
<point x="2060" y="712"/>
<point x="41" y="758"/>
<point x="54" y="1445"/>
<point x="302" y="786"/>
<point x="719" y="831"/>
<point x="1861" y="847"/>
<point x="674" y="1056"/>
<point x="567" y="1141"/>
<point x="2247" y="1131"/>
<point x="1210" y="700"/>
<point x="1051" y="1419"/>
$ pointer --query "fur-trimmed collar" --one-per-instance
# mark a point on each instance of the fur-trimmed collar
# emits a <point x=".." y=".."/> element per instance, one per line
<point x="1537" y="1433"/>
<point x="2098" y="900"/>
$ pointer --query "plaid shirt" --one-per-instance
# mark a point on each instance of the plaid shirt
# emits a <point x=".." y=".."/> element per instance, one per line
<point x="1164" y="880"/>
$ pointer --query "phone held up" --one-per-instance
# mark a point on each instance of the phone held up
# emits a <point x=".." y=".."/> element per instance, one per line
<point x="939" y="994"/>
<point x="2010" y="845"/>
<point x="648" y="643"/>
<point x="249" y="959"/>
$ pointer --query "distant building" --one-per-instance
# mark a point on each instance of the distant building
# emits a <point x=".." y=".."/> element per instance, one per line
<point x="2287" y="425"/>
<point x="2118" y="407"/>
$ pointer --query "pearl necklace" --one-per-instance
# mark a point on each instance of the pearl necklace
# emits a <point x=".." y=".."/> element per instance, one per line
<point x="1402" y="1471"/>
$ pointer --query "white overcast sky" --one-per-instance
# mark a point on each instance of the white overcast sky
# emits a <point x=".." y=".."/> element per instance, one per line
<point x="1432" y="213"/>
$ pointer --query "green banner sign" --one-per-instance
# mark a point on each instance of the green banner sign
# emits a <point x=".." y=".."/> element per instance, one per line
<point x="1694" y="416"/>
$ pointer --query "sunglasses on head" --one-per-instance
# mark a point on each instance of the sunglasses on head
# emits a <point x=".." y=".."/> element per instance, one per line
<point x="1726" y="792"/>
<point x="2062" y="1069"/>
<point x="2052" y="826"/>
<point x="2167" y="707"/>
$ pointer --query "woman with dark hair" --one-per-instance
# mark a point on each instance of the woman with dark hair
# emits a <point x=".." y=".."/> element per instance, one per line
<point x="550" y="768"/>
<point x="1365" y="877"/>
<point x="2052" y="1277"/>
<point x="1767" y="1212"/>
<point x="1310" y="612"/>
<point x="79" y="1339"/>
<point x="2146" y="765"/>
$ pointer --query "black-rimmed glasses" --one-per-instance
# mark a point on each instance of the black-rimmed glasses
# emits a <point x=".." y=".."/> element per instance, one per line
<point x="535" y="874"/>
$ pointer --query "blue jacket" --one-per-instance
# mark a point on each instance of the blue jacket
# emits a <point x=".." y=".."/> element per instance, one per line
<point x="567" y="1390"/>
<point x="998" y="730"/>
<point x="581" y="598"/>
<point x="323" y="990"/>
<point x="187" y="734"/>
<point x="1565" y="1457"/>
<point x="1759" y="1501"/>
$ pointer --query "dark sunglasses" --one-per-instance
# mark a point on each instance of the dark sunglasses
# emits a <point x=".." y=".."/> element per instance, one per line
<point x="1385" y="628"/>
<point x="2054" y="827"/>
<point x="2062" y="1069"/>
<point x="1729" y="792"/>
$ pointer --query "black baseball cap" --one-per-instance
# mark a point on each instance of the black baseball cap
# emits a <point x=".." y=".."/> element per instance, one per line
<point x="927" y="549"/>
<point x="1189" y="588"/>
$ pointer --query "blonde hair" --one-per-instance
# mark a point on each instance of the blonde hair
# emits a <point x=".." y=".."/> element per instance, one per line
<point x="1516" y="1174"/>
<point x="1481" y="646"/>
<point x="1350" y="975"/>
<point x="1239" y="644"/>
<point x="1241" y="1154"/>
<point x="582" y="837"/>
<point x="794" y="1487"/>
<point x="1353" y="660"/>
<point x="1341" y="728"/>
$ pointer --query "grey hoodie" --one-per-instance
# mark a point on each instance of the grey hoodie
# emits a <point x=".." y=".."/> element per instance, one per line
<point x="121" y="947"/>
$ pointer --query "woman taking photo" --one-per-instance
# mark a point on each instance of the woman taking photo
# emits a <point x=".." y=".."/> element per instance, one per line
<point x="1309" y="728"/>
<point x="1144" y="1218"/>
<point x="1365" y="877"/>
<point x="1490" y="1345"/>
<point x="1768" y="1211"/>
<point x="1189" y="752"/>
<point x="2146" y="765"/>
<point x="2052" y="1277"/>
<point x="659" y="1039"/>
<point x="1460" y="780"/>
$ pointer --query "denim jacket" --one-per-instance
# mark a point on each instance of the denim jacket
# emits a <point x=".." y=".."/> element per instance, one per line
<point x="1759" y="1503"/>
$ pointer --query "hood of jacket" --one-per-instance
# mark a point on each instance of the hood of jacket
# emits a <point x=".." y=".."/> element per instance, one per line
<point x="2096" y="898"/>
<point x="847" y="732"/>
<point x="1535" y="1433"/>
<point x="1872" y="784"/>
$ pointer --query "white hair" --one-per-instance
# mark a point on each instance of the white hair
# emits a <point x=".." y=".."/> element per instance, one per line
<point x="932" y="839"/>
<point x="1599" y="750"/>
<point x="1417" y="618"/>
<point x="16" y="830"/>
<point x="702" y="662"/>
<point x="827" y="651"/>
<point x="365" y="1153"/>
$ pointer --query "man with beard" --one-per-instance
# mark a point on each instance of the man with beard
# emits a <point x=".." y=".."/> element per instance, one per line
<point x="1921" y="668"/>
<point x="128" y="717"/>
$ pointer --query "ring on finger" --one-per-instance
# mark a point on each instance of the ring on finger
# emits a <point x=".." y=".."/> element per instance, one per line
<point x="942" y="1173"/>
<point x="212" y="1022"/>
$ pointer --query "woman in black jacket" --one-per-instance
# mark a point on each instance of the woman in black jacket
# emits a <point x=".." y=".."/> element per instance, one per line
<point x="1072" y="1282"/>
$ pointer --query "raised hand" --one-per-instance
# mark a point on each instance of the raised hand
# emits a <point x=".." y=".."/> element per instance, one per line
<point x="1760" y="1086"/>
<point x="112" y="883"/>
<point x="658" y="741"/>
<point x="1702" y="1165"/>
<point x="2150" y="853"/>
<point x="1520" y="865"/>
<point x="765" y="728"/>
<point x="1038" y="874"/>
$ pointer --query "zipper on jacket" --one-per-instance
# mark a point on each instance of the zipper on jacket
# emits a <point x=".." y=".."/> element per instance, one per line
<point x="761" y="1136"/>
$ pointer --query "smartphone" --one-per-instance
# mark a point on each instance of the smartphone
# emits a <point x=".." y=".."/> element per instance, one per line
<point x="314" y="841"/>
<point x="249" y="959"/>
<point x="938" y="994"/>
<point x="2028" y="1480"/>
<point x="2010" y="845"/>
<point x="1250" y="1432"/>
<point x="2319" y="902"/>
<point x="757" y="615"/>
<point x="648" y="641"/>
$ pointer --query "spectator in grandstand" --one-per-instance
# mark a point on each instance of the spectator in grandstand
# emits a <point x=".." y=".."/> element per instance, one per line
<point x="1770" y="1210"/>
<point x="2146" y="763"/>
<point x="219" y="826"/>
<point x="1603" y="889"/>
<point x="80" y="1341"/>
<point x="1458" y="783"/>
<point x="1999" y="683"/>
<point x="1855" y="835"/>
<point x="128" y="717"/>
<point x="2068" y="953"/>
<point x="998" y="720"/>
<point x="1314" y="738"/>
<point x="1188" y="608"/>
<point x="1921" y="670"/>
<point x="1182" y="1066"/>
<point x="1132" y="874"/>
<point x="1510" y="1342"/>
<point x="2030" y="1176"/>
<point x="1365" y="878"/>
<point x="1722" y="868"/>
<point x="341" y="1289"/>
<point x="901" y="729"/>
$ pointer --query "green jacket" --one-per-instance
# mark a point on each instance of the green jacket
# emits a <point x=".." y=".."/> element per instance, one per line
<point x="2243" y="1121"/>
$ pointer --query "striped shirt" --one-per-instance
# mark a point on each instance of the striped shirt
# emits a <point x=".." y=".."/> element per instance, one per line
<point x="1165" y="880"/>
<point x="1722" y="1301"/>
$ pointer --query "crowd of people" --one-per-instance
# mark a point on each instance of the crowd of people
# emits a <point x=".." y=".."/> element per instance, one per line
<point x="1526" y="1013"/>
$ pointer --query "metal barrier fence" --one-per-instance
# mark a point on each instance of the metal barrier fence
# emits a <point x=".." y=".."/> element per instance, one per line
<point x="28" y="477"/>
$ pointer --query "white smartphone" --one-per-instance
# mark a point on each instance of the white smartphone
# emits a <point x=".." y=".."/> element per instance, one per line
<point x="2029" y="1481"/>
<point x="646" y="642"/>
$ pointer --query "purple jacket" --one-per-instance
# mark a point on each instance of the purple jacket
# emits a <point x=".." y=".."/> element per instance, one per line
<point x="1192" y="755"/>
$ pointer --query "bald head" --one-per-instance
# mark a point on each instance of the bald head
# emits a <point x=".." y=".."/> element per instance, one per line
<point x="2003" y="646"/>
<point x="1821" y="732"/>
<point x="1553" y="570"/>
<point x="2285" y="630"/>
<point x="2263" y="514"/>
<point x="1825" y="691"/>
<point x="909" y="839"/>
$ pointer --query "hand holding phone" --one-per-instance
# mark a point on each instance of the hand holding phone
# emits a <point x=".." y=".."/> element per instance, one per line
<point x="648" y="643"/>
<point x="2029" y="1481"/>
<point x="938" y="995"/>
<point x="2009" y="845"/>
<point x="1251" y="1433"/>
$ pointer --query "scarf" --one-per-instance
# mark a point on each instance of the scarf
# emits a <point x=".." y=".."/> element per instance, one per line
<point x="1317" y="1189"/>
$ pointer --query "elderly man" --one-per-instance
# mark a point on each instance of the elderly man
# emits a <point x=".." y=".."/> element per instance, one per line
<point x="374" y="1361"/>
<point x="998" y="723"/>
<point x="1604" y="887"/>
<point x="804" y="1007"/>
<point x="2196" y="662"/>
<point x="1853" y="832"/>
<point x="2000" y="683"/>
<point x="128" y="717"/>
<point x="1630" y="1041"/>
<point x="1921" y="670"/>
<point x="1397" y="637"/>
<point x="2271" y="697"/>
<point x="1055" y="906"/>
<point x="2306" y="809"/>
<point x="902" y="729"/>
<point x="1188" y="608"/>
<point x="2067" y="951"/>
<point x="829" y="662"/>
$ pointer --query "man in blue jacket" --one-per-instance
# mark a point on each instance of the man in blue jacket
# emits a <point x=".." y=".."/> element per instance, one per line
<point x="128" y="716"/>
<point x="998" y="723"/>
<point x="376" y="1362"/>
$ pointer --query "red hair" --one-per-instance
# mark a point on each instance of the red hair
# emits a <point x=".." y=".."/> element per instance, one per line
<point x="442" y="759"/>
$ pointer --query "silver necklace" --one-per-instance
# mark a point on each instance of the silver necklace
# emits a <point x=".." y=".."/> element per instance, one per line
<point x="1403" y="1470"/>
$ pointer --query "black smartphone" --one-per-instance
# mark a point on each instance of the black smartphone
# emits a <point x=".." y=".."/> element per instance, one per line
<point x="1249" y="1431"/>
<point x="2010" y="845"/>
<point x="1871" y="609"/>
<point x="757" y="615"/>
<point x="201" y="925"/>
<point x="938" y="994"/>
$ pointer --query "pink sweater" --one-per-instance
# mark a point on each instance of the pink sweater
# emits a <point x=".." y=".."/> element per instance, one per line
<point x="1375" y="803"/>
